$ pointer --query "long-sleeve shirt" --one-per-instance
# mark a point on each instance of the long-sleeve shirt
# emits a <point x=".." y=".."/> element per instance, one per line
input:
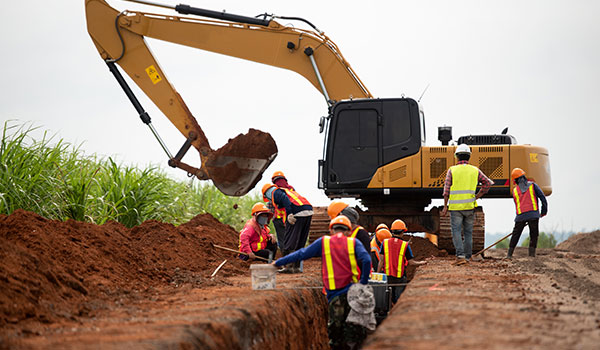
<point x="485" y="181"/>
<point x="534" y="214"/>
<point x="316" y="249"/>
<point x="282" y="201"/>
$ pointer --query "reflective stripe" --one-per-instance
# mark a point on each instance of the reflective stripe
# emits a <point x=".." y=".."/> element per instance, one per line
<point x="517" y="201"/>
<point x="295" y="198"/>
<point x="352" y="257"/>
<point x="355" y="232"/>
<point x="329" y="262"/>
<point x="533" y="199"/>
<point x="260" y="239"/>
<point x="462" y="192"/>
<point x="459" y="201"/>
<point x="400" y="259"/>
<point x="386" y="249"/>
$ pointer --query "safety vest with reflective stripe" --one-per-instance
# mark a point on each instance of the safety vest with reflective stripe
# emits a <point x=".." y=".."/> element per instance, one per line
<point x="355" y="231"/>
<point x="525" y="201"/>
<point x="394" y="260"/>
<point x="257" y="237"/>
<point x="295" y="198"/>
<point x="375" y="248"/>
<point x="464" y="184"/>
<point x="339" y="264"/>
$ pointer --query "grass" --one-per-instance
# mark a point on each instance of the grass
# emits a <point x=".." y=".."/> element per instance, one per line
<point x="57" y="180"/>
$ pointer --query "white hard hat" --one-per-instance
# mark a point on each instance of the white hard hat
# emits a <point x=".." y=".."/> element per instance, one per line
<point x="462" y="148"/>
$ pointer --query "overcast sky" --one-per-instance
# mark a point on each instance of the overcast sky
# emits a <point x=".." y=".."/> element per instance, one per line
<point x="533" y="66"/>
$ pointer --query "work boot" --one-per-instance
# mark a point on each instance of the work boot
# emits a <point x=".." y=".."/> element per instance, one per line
<point x="510" y="252"/>
<point x="287" y="269"/>
<point x="532" y="251"/>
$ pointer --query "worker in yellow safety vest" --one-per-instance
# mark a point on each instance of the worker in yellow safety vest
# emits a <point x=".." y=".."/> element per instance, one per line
<point x="526" y="194"/>
<point x="460" y="198"/>
<point x="344" y="262"/>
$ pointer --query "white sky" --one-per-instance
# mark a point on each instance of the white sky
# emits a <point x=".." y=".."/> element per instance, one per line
<point x="530" y="65"/>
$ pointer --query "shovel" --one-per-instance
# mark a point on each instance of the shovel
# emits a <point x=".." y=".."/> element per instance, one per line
<point x="237" y="251"/>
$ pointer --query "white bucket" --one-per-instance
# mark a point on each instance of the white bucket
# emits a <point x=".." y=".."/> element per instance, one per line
<point x="263" y="276"/>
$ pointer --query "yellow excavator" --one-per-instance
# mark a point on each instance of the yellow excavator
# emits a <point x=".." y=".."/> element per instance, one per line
<point x="374" y="149"/>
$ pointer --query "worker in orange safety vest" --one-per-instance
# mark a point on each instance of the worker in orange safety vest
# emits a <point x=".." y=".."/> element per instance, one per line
<point x="336" y="208"/>
<point x="526" y="195"/>
<point x="381" y="233"/>
<point x="278" y="179"/>
<point x="255" y="239"/>
<point x="396" y="254"/>
<point x="342" y="257"/>
<point x="299" y="213"/>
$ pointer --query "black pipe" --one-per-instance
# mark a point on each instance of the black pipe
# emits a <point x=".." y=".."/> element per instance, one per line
<point x="136" y="104"/>
<point x="189" y="10"/>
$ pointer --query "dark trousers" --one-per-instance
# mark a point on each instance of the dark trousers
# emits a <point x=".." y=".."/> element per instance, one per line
<point x="533" y="232"/>
<point x="343" y="335"/>
<point x="271" y="248"/>
<point x="296" y="234"/>
<point x="280" y="230"/>
<point x="397" y="290"/>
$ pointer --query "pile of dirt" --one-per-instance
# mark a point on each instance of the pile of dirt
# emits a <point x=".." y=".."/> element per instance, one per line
<point x="422" y="248"/>
<point x="582" y="243"/>
<point x="51" y="270"/>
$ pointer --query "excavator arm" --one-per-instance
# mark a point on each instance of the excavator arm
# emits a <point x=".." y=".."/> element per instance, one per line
<point x="235" y="168"/>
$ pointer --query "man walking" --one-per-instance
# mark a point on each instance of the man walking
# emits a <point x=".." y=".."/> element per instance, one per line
<point x="460" y="198"/>
<point x="526" y="195"/>
<point x="299" y="215"/>
<point x="344" y="262"/>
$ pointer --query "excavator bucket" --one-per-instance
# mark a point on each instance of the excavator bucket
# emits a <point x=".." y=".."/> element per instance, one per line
<point x="237" y="167"/>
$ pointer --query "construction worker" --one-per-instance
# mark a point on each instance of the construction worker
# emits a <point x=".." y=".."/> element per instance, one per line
<point x="299" y="213"/>
<point x="336" y="208"/>
<point x="460" y="198"/>
<point x="279" y="180"/>
<point x="526" y="194"/>
<point x="255" y="239"/>
<point x="341" y="258"/>
<point x="395" y="256"/>
<point x="381" y="233"/>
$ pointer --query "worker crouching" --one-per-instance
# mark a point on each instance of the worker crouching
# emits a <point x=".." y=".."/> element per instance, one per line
<point x="345" y="262"/>
<point x="255" y="239"/>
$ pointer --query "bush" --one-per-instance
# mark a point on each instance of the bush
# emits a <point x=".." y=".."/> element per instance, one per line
<point x="544" y="241"/>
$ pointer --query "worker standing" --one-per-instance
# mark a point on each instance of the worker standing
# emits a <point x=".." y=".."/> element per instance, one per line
<point x="297" y="224"/>
<point x="526" y="194"/>
<point x="381" y="233"/>
<point x="460" y="198"/>
<point x="279" y="180"/>
<point x="337" y="208"/>
<point x="396" y="254"/>
<point x="341" y="258"/>
<point x="255" y="239"/>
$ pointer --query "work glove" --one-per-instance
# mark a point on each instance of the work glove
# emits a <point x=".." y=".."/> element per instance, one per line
<point x="291" y="219"/>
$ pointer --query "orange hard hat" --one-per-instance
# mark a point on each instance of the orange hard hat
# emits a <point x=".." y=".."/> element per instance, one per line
<point x="341" y="220"/>
<point x="277" y="175"/>
<point x="380" y="226"/>
<point x="260" y="208"/>
<point x="399" y="225"/>
<point x="517" y="173"/>
<point x="335" y="208"/>
<point x="266" y="187"/>
<point x="382" y="234"/>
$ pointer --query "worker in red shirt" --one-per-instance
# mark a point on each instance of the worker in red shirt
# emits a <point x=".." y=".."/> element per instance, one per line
<point x="526" y="195"/>
<point x="255" y="239"/>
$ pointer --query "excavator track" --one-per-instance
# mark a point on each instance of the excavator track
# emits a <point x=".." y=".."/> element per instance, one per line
<point x="319" y="226"/>
<point x="445" y="232"/>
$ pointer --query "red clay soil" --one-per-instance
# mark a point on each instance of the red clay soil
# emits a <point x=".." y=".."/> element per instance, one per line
<point x="422" y="249"/>
<point x="254" y="144"/>
<point x="52" y="270"/>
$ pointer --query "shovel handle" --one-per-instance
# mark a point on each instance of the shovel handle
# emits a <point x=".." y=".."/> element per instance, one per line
<point x="498" y="241"/>
<point x="237" y="251"/>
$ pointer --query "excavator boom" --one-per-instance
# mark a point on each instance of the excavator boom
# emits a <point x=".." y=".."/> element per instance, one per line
<point x="235" y="168"/>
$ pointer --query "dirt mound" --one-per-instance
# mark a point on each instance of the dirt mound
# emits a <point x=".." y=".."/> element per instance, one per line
<point x="582" y="243"/>
<point x="421" y="247"/>
<point x="52" y="270"/>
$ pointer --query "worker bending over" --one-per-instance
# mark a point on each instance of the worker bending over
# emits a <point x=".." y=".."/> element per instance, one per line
<point x="460" y="198"/>
<point x="255" y="239"/>
<point x="396" y="255"/>
<point x="297" y="225"/>
<point x="526" y="195"/>
<point x="337" y="208"/>
<point x="278" y="179"/>
<point x="344" y="262"/>
<point x="381" y="233"/>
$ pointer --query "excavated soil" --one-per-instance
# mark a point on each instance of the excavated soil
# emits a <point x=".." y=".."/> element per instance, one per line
<point x="582" y="243"/>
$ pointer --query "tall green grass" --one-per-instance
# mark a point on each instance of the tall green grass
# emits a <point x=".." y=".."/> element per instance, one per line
<point x="57" y="180"/>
